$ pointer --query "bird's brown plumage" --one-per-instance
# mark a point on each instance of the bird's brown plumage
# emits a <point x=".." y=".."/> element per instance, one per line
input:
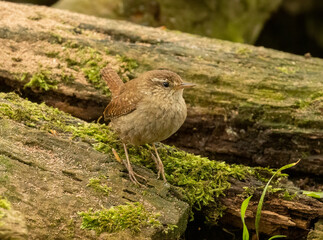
<point x="112" y="79"/>
<point x="124" y="103"/>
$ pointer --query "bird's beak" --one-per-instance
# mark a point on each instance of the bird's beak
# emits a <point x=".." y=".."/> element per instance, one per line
<point x="184" y="85"/>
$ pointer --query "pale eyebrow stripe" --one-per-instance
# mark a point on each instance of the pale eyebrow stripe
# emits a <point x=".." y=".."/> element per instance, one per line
<point x="159" y="80"/>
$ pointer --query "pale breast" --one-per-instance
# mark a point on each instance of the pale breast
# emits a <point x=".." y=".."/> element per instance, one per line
<point x="153" y="120"/>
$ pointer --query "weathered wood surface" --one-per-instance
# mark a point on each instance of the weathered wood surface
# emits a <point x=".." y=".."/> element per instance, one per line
<point x="46" y="176"/>
<point x="279" y="216"/>
<point x="45" y="173"/>
<point x="252" y="105"/>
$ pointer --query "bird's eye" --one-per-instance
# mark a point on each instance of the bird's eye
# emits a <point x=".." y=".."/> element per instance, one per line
<point x="166" y="84"/>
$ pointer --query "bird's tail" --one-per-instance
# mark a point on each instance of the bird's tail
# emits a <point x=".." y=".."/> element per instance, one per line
<point x="112" y="79"/>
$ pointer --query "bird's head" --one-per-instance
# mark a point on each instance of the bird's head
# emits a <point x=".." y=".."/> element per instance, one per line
<point x="165" y="83"/>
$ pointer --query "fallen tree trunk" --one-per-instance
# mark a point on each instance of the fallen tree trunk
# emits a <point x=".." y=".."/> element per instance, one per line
<point x="48" y="161"/>
<point x="281" y="215"/>
<point x="49" y="175"/>
<point x="252" y="105"/>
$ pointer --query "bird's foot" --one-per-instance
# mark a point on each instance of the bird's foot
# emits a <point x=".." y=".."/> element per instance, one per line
<point x="133" y="175"/>
<point x="159" y="165"/>
<point x="160" y="168"/>
<point x="131" y="172"/>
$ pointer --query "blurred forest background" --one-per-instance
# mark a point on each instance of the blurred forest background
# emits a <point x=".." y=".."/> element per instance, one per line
<point x="294" y="26"/>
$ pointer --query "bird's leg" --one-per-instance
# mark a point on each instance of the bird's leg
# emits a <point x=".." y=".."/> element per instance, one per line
<point x="159" y="164"/>
<point x="156" y="162"/>
<point x="132" y="174"/>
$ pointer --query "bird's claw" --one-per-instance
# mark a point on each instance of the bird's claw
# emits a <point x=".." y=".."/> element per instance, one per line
<point x="159" y="165"/>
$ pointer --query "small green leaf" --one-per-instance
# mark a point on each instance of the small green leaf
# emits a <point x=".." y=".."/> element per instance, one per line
<point x="277" y="236"/>
<point x="244" y="206"/>
<point x="261" y="201"/>
<point x="317" y="195"/>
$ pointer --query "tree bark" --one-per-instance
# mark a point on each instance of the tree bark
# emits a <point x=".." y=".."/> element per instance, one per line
<point x="46" y="176"/>
<point x="279" y="215"/>
<point x="252" y="105"/>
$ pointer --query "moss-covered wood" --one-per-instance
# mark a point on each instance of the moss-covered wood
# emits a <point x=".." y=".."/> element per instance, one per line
<point x="252" y="105"/>
<point x="49" y="160"/>
<point x="47" y="166"/>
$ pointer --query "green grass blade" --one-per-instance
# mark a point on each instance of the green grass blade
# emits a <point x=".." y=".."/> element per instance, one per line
<point x="312" y="194"/>
<point x="244" y="206"/>
<point x="277" y="236"/>
<point x="261" y="201"/>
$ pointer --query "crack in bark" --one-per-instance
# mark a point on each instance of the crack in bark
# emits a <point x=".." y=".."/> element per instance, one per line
<point x="28" y="163"/>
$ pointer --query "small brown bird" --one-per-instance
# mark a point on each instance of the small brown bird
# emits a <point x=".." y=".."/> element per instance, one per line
<point x="145" y="110"/>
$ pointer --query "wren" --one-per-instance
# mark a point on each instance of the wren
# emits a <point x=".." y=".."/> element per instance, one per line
<point x="147" y="109"/>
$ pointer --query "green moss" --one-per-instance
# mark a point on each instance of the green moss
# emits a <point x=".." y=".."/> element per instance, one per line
<point x="98" y="185"/>
<point x="56" y="38"/>
<point x="243" y="51"/>
<point x="4" y="178"/>
<point x="15" y="114"/>
<point x="316" y="95"/>
<point x="264" y="174"/>
<point x="4" y="203"/>
<point x="70" y="229"/>
<point x="22" y="76"/>
<point x="83" y="59"/>
<point x="6" y="166"/>
<point x="288" y="196"/>
<point x="91" y="67"/>
<point x="272" y="189"/>
<point x="100" y="135"/>
<point x="107" y="51"/>
<point x="270" y="94"/>
<point x="302" y="104"/>
<point x="67" y="78"/>
<point x="128" y="64"/>
<point x="32" y="114"/>
<point x="72" y="44"/>
<point x="286" y="70"/>
<point x="71" y="62"/>
<point x="217" y="211"/>
<point x="202" y="180"/>
<point x="91" y="71"/>
<point x="90" y="62"/>
<point x="131" y="216"/>
<point x="53" y="54"/>
<point x="42" y="81"/>
<point x="248" y="191"/>
<point x="5" y="162"/>
<point x="170" y="228"/>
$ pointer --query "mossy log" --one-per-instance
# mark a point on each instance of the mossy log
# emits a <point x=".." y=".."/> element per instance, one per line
<point x="49" y="176"/>
<point x="282" y="215"/>
<point x="54" y="166"/>
<point x="251" y="105"/>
